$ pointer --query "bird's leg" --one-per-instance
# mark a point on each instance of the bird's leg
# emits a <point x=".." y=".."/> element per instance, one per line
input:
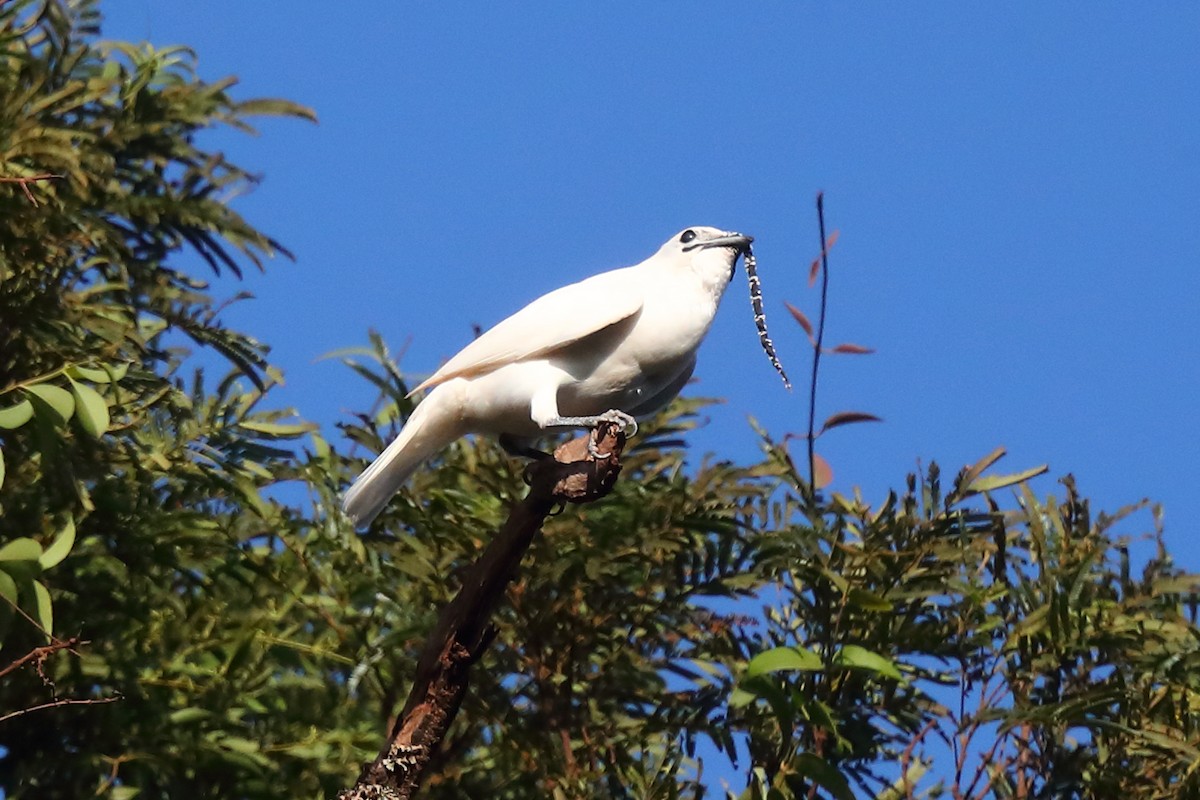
<point x="613" y="415"/>
<point x="544" y="411"/>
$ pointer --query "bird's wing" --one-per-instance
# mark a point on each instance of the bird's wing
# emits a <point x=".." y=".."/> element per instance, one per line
<point x="552" y="321"/>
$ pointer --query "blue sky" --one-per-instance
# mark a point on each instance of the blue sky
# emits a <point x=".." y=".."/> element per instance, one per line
<point x="1017" y="188"/>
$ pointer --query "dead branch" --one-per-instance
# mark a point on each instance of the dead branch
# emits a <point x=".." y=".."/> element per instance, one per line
<point x="464" y="631"/>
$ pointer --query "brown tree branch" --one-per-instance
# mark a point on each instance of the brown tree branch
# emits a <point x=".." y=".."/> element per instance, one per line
<point x="40" y="654"/>
<point x="24" y="182"/>
<point x="464" y="632"/>
<point x="66" y="701"/>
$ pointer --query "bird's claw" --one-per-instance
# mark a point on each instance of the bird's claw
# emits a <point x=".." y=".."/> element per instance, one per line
<point x="628" y="425"/>
<point x="593" y="450"/>
<point x="626" y="421"/>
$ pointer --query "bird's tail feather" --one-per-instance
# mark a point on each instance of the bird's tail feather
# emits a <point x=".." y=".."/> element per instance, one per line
<point x="427" y="431"/>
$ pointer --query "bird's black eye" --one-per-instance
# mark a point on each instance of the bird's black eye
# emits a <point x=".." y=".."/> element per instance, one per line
<point x="687" y="236"/>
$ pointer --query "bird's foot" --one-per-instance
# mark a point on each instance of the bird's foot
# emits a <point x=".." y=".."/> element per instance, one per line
<point x="614" y="417"/>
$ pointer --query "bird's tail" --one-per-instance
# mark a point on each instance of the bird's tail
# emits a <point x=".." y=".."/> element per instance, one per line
<point x="429" y="429"/>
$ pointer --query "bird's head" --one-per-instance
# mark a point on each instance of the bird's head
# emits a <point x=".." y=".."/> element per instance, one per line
<point x="710" y="253"/>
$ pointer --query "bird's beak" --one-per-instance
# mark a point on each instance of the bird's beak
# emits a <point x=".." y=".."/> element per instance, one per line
<point x="737" y="241"/>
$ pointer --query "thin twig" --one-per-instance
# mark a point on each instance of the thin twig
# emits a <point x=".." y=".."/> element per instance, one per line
<point x="907" y="755"/>
<point x="25" y="181"/>
<point x="812" y="391"/>
<point x="66" y="701"/>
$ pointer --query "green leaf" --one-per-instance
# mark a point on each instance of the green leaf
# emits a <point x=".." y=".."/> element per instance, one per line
<point x="737" y="698"/>
<point x="317" y="751"/>
<point x="822" y="773"/>
<point x="974" y="471"/>
<point x="320" y="446"/>
<point x="781" y="659"/>
<point x="107" y="375"/>
<point x="186" y="715"/>
<point x="855" y="657"/>
<point x="123" y="792"/>
<point x="8" y="590"/>
<point x="60" y="547"/>
<point x="269" y="106"/>
<point x="1" y="466"/>
<point x="91" y="410"/>
<point x="8" y="602"/>
<point x="43" y="611"/>
<point x="23" y="549"/>
<point x="868" y="601"/>
<point x="16" y="416"/>
<point x="1000" y="481"/>
<point x="279" y="429"/>
<point x="58" y="400"/>
<point x="240" y="745"/>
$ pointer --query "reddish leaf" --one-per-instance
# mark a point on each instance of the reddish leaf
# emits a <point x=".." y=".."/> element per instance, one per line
<point x="815" y="268"/>
<point x="824" y="472"/>
<point x="854" y="349"/>
<point x="846" y="418"/>
<point x="799" y="317"/>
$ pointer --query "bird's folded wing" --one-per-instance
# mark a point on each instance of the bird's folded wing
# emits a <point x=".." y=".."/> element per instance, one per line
<point x="548" y="323"/>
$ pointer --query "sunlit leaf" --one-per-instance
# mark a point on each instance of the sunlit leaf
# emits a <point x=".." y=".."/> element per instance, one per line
<point x="240" y="744"/>
<point x="978" y="468"/>
<point x="783" y="659"/>
<point x="738" y="698"/>
<point x="16" y="416"/>
<point x="856" y="657"/>
<point x="64" y="540"/>
<point x="57" y="400"/>
<point x="43" y="610"/>
<point x="992" y="483"/>
<point x="23" y="549"/>
<point x="108" y="375"/>
<point x="185" y="715"/>
<point x="278" y="429"/>
<point x="8" y="604"/>
<point x="90" y="409"/>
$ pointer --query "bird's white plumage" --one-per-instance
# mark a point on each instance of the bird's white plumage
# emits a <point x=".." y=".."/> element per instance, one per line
<point x="552" y="321"/>
<point x="622" y="341"/>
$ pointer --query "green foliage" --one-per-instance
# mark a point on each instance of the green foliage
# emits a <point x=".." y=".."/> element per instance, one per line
<point x="1012" y="645"/>
<point x="256" y="646"/>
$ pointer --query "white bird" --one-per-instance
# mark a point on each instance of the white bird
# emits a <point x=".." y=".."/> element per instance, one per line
<point x="609" y="348"/>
